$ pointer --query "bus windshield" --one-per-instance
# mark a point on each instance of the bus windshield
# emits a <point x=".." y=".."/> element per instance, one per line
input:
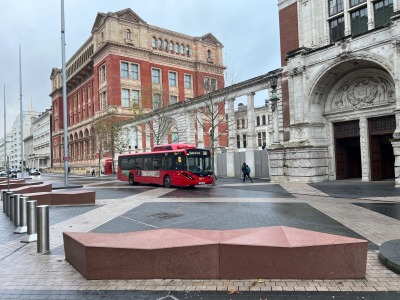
<point x="199" y="162"/>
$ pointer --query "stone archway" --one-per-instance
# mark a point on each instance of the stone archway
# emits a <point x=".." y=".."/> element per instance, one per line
<point x="361" y="108"/>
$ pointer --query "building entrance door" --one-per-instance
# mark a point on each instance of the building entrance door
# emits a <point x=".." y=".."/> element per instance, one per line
<point x="348" y="150"/>
<point x="381" y="151"/>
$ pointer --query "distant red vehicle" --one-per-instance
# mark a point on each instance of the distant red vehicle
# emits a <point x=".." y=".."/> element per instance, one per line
<point x="179" y="165"/>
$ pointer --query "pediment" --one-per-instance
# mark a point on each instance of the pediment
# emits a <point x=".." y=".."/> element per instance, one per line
<point x="54" y="72"/>
<point x="130" y="16"/>
<point x="127" y="15"/>
<point x="99" y="20"/>
<point x="210" y="39"/>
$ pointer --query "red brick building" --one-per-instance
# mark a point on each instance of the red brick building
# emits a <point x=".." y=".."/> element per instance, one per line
<point x="127" y="63"/>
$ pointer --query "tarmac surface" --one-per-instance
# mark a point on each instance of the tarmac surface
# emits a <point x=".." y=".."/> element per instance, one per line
<point x="368" y="210"/>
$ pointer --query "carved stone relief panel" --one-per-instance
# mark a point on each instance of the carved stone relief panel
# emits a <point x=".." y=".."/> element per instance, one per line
<point x="358" y="90"/>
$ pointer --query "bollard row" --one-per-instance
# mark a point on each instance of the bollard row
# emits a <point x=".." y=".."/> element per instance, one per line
<point x="29" y="218"/>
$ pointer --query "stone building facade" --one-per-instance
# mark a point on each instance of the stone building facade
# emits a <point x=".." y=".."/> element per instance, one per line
<point x="132" y="66"/>
<point x="339" y="91"/>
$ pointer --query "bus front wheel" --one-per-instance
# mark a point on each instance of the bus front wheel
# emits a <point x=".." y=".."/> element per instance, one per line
<point x="131" y="181"/>
<point x="167" y="181"/>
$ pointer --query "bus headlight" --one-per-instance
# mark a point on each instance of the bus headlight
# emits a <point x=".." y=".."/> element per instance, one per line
<point x="187" y="176"/>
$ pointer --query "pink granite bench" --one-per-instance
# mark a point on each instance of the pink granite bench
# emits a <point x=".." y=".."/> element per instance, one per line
<point x="32" y="188"/>
<point x="267" y="252"/>
<point x="18" y="184"/>
<point x="63" y="197"/>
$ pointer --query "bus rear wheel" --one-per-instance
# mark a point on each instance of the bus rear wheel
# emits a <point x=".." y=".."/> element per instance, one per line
<point x="167" y="181"/>
<point x="131" y="181"/>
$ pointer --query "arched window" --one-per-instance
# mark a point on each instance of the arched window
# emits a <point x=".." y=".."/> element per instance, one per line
<point x="127" y="34"/>
<point x="243" y="123"/>
<point x="238" y="124"/>
<point x="258" y="121"/>
<point x="153" y="42"/>
<point x="208" y="53"/>
<point x="165" y="45"/>
<point x="159" y="43"/>
<point x="187" y="50"/>
<point x="171" y="46"/>
<point x="182" y="49"/>
<point x="264" y="122"/>
<point x="176" y="48"/>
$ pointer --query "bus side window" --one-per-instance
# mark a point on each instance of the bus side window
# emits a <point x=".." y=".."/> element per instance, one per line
<point x="131" y="163"/>
<point x="139" y="163"/>
<point x="148" y="165"/>
<point x="170" y="163"/>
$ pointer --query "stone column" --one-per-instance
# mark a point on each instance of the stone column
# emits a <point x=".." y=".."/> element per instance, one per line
<point x="200" y="133"/>
<point x="230" y="153"/>
<point x="275" y="122"/>
<point x="147" y="134"/>
<point x="364" y="147"/>
<point x="251" y="130"/>
<point x="189" y="126"/>
<point x="396" y="152"/>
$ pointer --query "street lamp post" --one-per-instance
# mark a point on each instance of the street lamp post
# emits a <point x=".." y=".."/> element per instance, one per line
<point x="273" y="82"/>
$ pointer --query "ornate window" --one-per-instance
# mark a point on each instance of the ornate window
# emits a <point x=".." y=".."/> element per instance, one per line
<point x="359" y="21"/>
<point x="336" y="29"/>
<point x="153" y="42"/>
<point x="172" y="78"/>
<point x="383" y="11"/>
<point x="187" y="50"/>
<point x="135" y="96"/>
<point x="155" y="76"/>
<point x="356" y="2"/>
<point x="127" y="34"/>
<point x="124" y="70"/>
<point x="165" y="45"/>
<point x="335" y="7"/>
<point x="159" y="43"/>
<point x="188" y="81"/>
<point x="134" y="71"/>
<point x="125" y="98"/>
<point x="156" y="101"/>
<point x="173" y="99"/>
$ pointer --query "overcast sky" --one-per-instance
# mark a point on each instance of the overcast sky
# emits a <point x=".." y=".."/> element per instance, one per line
<point x="248" y="29"/>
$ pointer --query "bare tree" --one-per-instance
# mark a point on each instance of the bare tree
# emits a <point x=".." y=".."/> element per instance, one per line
<point x="212" y="115"/>
<point x="161" y="122"/>
<point x="110" y="136"/>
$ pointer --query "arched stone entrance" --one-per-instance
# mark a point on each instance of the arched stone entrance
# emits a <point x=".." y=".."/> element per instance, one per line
<point x="360" y="107"/>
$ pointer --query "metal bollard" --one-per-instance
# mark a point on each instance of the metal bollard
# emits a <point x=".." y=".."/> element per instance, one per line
<point x="23" y="216"/>
<point x="31" y="218"/>
<point x="43" y="229"/>
<point x="16" y="209"/>
<point x="8" y="200"/>
<point x="3" y="198"/>
<point x="11" y="208"/>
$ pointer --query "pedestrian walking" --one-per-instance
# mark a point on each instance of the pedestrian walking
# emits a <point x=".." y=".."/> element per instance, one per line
<point x="93" y="172"/>
<point x="246" y="173"/>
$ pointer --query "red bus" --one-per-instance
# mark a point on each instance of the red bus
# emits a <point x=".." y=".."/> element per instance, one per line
<point x="179" y="165"/>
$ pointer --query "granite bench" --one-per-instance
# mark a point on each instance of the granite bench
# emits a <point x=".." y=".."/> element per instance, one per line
<point x="63" y="197"/>
<point x="32" y="188"/>
<point x="266" y="252"/>
<point x="17" y="184"/>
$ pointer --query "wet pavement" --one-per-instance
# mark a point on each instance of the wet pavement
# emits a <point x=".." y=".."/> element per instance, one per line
<point x="351" y="208"/>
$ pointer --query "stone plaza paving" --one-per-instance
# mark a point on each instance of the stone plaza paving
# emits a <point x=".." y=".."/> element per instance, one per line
<point x="26" y="274"/>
